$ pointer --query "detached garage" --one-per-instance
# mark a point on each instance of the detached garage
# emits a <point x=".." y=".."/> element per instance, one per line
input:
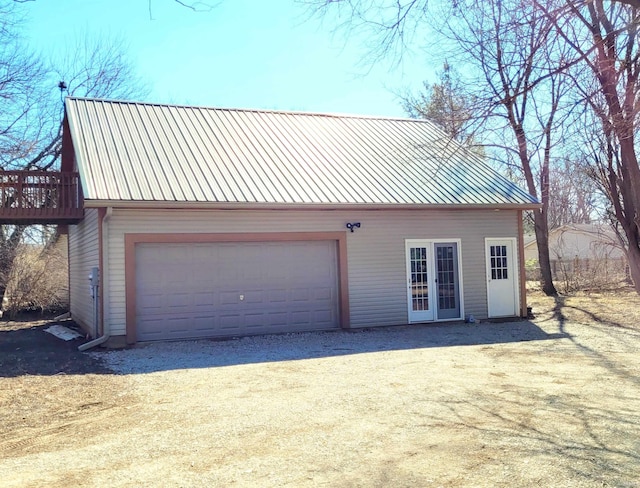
<point x="204" y="223"/>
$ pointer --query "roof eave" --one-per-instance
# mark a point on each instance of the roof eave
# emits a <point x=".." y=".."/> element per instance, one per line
<point x="303" y="206"/>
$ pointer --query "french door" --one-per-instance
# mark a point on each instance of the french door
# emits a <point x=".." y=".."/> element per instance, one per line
<point x="433" y="280"/>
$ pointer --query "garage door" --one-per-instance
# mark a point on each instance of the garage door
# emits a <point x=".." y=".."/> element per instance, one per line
<point x="228" y="289"/>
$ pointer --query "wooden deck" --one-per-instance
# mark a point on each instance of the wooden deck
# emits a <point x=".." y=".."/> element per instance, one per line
<point x="40" y="197"/>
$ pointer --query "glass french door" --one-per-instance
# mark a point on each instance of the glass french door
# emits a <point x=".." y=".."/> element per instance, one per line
<point x="433" y="288"/>
<point x="419" y="273"/>
<point x="447" y="280"/>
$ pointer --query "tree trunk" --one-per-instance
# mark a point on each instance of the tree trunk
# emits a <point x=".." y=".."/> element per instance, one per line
<point x="5" y="269"/>
<point x="6" y="264"/>
<point x="544" y="260"/>
<point x="10" y="237"/>
<point x="633" y="257"/>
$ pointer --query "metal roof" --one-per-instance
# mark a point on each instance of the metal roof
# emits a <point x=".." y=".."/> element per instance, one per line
<point x="141" y="152"/>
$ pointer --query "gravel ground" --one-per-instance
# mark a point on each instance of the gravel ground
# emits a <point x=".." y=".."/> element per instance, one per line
<point x="164" y="356"/>
<point x="549" y="402"/>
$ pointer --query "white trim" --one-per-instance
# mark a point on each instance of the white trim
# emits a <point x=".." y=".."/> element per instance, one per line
<point x="431" y="243"/>
<point x="414" y="243"/>
<point x="515" y="274"/>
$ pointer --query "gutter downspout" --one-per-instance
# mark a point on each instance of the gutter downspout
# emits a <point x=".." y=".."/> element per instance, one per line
<point x="104" y="258"/>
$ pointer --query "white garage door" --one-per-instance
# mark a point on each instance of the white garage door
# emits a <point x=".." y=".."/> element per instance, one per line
<point x="229" y="289"/>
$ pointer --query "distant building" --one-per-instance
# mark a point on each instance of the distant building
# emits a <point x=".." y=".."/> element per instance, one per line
<point x="580" y="247"/>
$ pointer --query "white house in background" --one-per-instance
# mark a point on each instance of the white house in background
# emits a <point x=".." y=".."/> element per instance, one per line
<point x="580" y="247"/>
<point x="578" y="241"/>
<point x="210" y="222"/>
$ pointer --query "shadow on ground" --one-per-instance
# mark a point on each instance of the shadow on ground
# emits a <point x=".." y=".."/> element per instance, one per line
<point x="595" y="445"/>
<point x="26" y="349"/>
<point x="613" y="327"/>
<point x="163" y="356"/>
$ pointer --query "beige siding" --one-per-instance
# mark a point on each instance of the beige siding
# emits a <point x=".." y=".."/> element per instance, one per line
<point x="376" y="251"/>
<point x="60" y="254"/>
<point x="83" y="255"/>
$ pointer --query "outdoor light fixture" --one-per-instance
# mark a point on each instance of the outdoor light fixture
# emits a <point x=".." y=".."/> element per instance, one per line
<point x="354" y="225"/>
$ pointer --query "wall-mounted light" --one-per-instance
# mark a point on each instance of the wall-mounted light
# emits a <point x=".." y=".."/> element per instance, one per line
<point x="353" y="225"/>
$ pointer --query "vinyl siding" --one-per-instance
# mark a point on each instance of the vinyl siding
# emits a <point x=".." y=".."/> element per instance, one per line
<point x="376" y="251"/>
<point x="83" y="255"/>
<point x="60" y="253"/>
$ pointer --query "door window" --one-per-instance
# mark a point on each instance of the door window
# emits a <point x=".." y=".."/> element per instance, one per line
<point x="499" y="265"/>
<point x="419" y="279"/>
<point x="446" y="277"/>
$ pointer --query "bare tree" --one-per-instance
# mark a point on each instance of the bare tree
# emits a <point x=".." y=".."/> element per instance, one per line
<point x="195" y="6"/>
<point x="20" y="97"/>
<point x="446" y="103"/>
<point x="509" y="44"/>
<point x="605" y="37"/>
<point x="574" y="196"/>
<point x="31" y="104"/>
<point x="88" y="67"/>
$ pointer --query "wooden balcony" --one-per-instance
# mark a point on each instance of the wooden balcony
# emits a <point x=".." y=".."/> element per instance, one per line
<point x="40" y="197"/>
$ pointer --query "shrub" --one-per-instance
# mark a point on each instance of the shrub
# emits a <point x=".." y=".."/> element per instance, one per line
<point x="38" y="280"/>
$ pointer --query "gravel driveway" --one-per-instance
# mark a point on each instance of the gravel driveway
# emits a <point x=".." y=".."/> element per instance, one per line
<point x="551" y="402"/>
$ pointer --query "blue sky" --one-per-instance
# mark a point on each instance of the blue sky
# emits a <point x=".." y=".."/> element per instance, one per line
<point x="241" y="54"/>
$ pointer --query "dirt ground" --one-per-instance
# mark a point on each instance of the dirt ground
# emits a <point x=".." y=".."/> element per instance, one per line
<point x="551" y="402"/>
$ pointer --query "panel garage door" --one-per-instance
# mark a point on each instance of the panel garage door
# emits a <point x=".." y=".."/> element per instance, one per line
<point x="228" y="289"/>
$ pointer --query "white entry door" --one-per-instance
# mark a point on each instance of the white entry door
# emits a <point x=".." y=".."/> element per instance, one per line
<point x="502" y="281"/>
<point x="433" y="280"/>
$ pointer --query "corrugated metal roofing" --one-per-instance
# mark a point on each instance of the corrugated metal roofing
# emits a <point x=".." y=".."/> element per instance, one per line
<point x="144" y="152"/>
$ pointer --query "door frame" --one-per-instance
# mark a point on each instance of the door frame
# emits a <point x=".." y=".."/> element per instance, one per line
<point x="515" y="273"/>
<point x="430" y="243"/>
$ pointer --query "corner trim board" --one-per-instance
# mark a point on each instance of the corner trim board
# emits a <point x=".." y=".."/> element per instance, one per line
<point x="522" y="270"/>
<point x="102" y="212"/>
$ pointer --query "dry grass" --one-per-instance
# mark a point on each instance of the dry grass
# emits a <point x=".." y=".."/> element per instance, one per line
<point x="618" y="307"/>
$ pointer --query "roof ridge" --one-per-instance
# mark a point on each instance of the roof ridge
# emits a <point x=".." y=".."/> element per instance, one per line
<point x="253" y="110"/>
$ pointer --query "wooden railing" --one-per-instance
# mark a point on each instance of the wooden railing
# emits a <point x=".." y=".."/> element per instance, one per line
<point x="40" y="197"/>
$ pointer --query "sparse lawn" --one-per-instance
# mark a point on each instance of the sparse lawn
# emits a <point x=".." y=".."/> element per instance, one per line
<point x="550" y="402"/>
<point x="620" y="307"/>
